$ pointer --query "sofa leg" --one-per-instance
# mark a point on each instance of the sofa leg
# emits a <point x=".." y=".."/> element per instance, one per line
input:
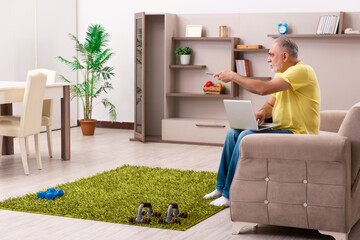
<point x="237" y="226"/>
<point x="336" y="235"/>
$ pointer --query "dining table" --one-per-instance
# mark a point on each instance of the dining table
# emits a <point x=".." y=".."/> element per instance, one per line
<point x="13" y="92"/>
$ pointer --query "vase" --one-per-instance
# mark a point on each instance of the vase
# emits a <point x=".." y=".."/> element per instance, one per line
<point x="88" y="126"/>
<point x="185" y="59"/>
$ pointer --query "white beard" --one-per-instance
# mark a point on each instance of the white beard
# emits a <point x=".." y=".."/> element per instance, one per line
<point x="276" y="67"/>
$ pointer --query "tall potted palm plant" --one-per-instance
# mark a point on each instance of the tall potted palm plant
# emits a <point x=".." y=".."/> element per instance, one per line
<point x="91" y="62"/>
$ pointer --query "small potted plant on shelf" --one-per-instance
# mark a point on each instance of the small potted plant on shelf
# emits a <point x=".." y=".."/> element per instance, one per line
<point x="93" y="55"/>
<point x="185" y="54"/>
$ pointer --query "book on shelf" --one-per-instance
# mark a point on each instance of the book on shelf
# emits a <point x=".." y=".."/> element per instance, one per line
<point x="321" y="19"/>
<point x="242" y="67"/>
<point x="336" y="29"/>
<point x="328" y="24"/>
<point x="248" y="46"/>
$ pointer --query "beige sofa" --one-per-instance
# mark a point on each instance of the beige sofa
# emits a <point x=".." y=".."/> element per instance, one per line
<point x="303" y="181"/>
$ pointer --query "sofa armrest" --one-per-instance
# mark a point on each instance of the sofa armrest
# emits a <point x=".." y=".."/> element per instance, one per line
<point x="330" y="120"/>
<point x="293" y="180"/>
<point x="296" y="147"/>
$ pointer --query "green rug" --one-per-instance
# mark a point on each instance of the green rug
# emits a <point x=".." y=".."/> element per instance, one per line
<point x="115" y="195"/>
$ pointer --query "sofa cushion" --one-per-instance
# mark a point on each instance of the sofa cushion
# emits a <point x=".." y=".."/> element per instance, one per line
<point x="326" y="133"/>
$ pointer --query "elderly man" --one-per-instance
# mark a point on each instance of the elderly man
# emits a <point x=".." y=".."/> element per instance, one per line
<point x="294" y="103"/>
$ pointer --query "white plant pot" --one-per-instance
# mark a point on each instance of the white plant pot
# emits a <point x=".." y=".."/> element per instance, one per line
<point x="185" y="59"/>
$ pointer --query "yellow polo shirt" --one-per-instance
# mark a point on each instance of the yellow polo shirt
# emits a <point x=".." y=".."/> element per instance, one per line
<point x="298" y="108"/>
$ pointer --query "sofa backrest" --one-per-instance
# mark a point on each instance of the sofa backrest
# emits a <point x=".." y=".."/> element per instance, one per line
<point x="331" y="120"/>
<point x="350" y="128"/>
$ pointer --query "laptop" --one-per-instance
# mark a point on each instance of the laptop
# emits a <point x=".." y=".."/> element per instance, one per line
<point x="241" y="115"/>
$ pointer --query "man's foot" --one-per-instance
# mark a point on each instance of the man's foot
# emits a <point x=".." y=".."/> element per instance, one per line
<point x="221" y="202"/>
<point x="213" y="194"/>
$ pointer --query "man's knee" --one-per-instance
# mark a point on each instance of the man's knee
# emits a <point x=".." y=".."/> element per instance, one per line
<point x="247" y="132"/>
<point x="233" y="133"/>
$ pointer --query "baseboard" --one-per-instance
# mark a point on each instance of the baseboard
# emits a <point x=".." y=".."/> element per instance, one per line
<point x="117" y="125"/>
<point x="158" y="139"/>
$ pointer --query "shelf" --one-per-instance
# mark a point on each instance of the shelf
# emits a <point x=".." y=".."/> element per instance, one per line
<point x="202" y="39"/>
<point x="316" y="35"/>
<point x="198" y="95"/>
<point x="251" y="50"/>
<point x="188" y="66"/>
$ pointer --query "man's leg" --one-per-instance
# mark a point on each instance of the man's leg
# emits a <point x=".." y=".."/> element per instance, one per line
<point x="224" y="200"/>
<point x="228" y="150"/>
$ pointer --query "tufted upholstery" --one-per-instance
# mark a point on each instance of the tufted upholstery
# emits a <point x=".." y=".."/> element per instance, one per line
<point x="304" y="181"/>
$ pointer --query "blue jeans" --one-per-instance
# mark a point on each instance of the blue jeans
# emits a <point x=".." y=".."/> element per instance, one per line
<point x="230" y="156"/>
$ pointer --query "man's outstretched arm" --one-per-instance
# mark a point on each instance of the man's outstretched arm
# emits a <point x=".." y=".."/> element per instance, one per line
<point x="256" y="86"/>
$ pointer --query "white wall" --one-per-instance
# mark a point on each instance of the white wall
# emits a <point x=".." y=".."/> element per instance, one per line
<point x="118" y="19"/>
<point x="33" y="33"/>
<point x="18" y="33"/>
<point x="17" y="38"/>
<point x="52" y="40"/>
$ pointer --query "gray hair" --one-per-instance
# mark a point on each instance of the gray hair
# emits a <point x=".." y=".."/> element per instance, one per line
<point x="288" y="45"/>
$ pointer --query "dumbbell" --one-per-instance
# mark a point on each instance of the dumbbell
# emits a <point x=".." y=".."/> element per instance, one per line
<point x="50" y="193"/>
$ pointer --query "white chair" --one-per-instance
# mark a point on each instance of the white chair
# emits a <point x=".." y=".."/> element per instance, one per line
<point x="29" y="122"/>
<point x="48" y="109"/>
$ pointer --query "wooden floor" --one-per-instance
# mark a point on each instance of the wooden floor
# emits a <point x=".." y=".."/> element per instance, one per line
<point x="106" y="150"/>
